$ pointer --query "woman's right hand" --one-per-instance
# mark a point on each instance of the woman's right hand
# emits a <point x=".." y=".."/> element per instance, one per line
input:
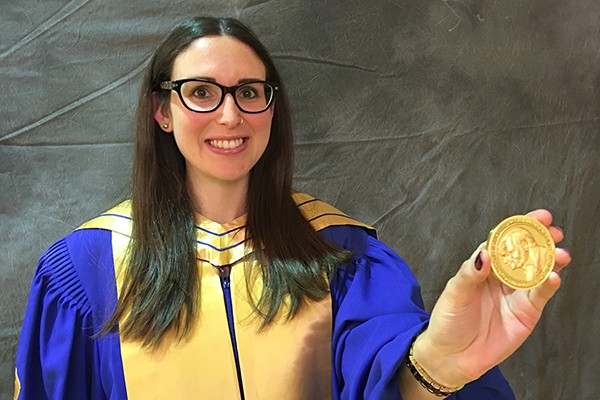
<point x="478" y="322"/>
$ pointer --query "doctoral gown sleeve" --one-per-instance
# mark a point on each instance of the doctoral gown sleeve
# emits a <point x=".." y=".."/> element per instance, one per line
<point x="55" y="353"/>
<point x="377" y="312"/>
<point x="58" y="356"/>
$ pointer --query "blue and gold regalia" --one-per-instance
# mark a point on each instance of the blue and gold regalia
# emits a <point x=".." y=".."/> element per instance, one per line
<point x="348" y="345"/>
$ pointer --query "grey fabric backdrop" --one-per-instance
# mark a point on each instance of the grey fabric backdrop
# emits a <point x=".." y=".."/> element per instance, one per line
<point x="430" y="119"/>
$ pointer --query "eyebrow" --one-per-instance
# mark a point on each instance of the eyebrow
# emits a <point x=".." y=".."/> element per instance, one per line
<point x="240" y="81"/>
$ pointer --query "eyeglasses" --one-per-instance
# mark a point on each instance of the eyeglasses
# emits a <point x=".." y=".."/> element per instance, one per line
<point x="201" y="95"/>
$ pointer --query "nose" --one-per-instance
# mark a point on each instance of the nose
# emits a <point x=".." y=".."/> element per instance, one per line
<point x="229" y="112"/>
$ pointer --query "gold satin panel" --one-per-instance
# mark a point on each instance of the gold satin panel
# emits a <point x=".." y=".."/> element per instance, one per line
<point x="17" y="385"/>
<point x="286" y="360"/>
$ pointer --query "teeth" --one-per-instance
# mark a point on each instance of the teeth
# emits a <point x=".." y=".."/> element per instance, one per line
<point x="226" y="144"/>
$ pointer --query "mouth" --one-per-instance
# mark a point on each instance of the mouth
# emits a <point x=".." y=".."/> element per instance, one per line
<point x="226" y="144"/>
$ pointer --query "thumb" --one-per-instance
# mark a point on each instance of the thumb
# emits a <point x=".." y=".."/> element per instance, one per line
<point x="471" y="274"/>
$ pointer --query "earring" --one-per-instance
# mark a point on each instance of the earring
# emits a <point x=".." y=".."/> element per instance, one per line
<point x="165" y="125"/>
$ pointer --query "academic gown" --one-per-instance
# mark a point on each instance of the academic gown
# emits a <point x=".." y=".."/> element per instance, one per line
<point x="348" y="345"/>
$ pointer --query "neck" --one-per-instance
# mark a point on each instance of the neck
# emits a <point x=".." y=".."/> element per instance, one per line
<point x="221" y="202"/>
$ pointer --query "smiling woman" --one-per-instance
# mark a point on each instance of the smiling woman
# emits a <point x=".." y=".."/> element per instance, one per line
<point x="217" y="280"/>
<point x="207" y="138"/>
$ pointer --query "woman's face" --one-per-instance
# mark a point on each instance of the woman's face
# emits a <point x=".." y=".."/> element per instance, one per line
<point x="217" y="146"/>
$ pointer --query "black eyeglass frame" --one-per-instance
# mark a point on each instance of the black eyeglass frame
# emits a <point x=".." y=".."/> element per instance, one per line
<point x="177" y="84"/>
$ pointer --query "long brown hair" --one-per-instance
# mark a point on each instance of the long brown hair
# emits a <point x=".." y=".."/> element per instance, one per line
<point x="161" y="284"/>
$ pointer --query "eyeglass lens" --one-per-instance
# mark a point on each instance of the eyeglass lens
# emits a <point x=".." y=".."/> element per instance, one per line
<point x="206" y="96"/>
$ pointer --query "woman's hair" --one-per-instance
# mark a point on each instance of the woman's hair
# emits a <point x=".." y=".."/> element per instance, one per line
<point x="161" y="284"/>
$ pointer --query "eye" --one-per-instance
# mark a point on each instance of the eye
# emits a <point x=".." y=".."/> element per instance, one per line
<point x="248" y="92"/>
<point x="203" y="91"/>
<point x="196" y="90"/>
<point x="200" y="92"/>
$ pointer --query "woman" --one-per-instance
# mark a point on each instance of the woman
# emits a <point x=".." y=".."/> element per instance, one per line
<point x="217" y="281"/>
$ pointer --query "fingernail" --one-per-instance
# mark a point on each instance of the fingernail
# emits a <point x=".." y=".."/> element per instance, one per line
<point x="478" y="262"/>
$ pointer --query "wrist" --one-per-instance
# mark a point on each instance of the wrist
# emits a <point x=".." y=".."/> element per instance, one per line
<point x="440" y="369"/>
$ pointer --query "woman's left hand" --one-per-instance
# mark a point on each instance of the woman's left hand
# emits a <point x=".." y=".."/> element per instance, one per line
<point x="478" y="322"/>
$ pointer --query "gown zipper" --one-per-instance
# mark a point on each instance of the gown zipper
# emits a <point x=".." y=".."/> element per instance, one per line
<point x="224" y="273"/>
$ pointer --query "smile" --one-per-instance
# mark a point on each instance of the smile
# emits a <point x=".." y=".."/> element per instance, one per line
<point x="226" y="144"/>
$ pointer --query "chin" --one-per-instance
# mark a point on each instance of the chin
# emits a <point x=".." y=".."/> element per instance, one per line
<point x="233" y="177"/>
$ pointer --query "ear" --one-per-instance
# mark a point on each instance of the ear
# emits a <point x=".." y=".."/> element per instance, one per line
<point x="162" y="114"/>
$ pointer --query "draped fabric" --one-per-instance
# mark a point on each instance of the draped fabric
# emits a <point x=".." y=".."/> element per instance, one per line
<point x="348" y="345"/>
<point x="430" y="120"/>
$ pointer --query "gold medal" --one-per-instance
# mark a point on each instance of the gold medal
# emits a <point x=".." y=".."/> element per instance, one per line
<point x="522" y="252"/>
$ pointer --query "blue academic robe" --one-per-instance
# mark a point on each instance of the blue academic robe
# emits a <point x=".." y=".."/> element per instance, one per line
<point x="349" y="345"/>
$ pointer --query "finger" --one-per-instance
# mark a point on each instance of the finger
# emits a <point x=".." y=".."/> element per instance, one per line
<point x="471" y="274"/>
<point x="539" y="296"/>
<point x="556" y="233"/>
<point x="562" y="258"/>
<point x="545" y="217"/>
<point x="542" y="215"/>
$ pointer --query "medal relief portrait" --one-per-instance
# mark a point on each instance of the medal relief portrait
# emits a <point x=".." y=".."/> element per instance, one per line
<point x="522" y="253"/>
